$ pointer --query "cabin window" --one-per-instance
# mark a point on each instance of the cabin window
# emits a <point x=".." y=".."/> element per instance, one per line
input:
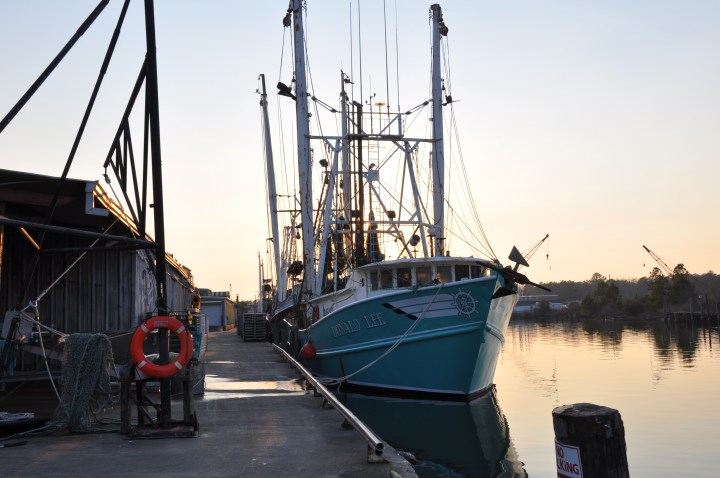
<point x="476" y="271"/>
<point x="386" y="279"/>
<point x="423" y="275"/>
<point x="444" y="273"/>
<point x="374" y="282"/>
<point x="462" y="272"/>
<point x="404" y="277"/>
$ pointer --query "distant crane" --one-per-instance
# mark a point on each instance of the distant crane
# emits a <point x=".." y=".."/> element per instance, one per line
<point x="668" y="270"/>
<point x="530" y="252"/>
<point x="695" y="279"/>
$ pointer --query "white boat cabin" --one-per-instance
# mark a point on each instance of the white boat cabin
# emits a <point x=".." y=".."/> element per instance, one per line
<point x="390" y="277"/>
<point x="413" y="273"/>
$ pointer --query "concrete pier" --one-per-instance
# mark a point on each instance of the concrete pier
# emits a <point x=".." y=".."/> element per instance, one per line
<point x="255" y="421"/>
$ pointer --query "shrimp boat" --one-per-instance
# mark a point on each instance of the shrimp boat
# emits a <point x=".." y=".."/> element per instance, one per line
<point x="366" y="291"/>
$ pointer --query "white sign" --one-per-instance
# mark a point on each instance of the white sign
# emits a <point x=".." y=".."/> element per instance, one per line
<point x="568" y="461"/>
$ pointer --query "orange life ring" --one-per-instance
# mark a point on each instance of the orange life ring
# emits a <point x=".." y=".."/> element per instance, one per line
<point x="138" y="339"/>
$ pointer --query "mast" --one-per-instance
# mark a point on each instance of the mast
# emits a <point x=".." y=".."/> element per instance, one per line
<point x="438" y="152"/>
<point x="280" y="276"/>
<point x="346" y="178"/>
<point x="359" y="238"/>
<point x="303" y="138"/>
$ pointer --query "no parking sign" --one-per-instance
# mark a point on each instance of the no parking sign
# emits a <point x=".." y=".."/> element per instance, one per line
<point x="568" y="461"/>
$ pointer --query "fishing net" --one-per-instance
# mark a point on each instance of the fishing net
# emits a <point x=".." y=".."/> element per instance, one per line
<point x="85" y="380"/>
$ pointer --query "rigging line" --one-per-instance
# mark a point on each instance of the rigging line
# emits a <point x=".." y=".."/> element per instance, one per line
<point x="282" y="53"/>
<point x="309" y="74"/>
<point x="449" y="152"/>
<point x="397" y="62"/>
<point x="469" y="230"/>
<point x="468" y="191"/>
<point x="449" y="227"/>
<point x="279" y="113"/>
<point x="461" y="219"/>
<point x="420" y="179"/>
<point x="387" y="72"/>
<point x="391" y="194"/>
<point x="480" y="241"/>
<point x="450" y="144"/>
<point x="446" y="64"/>
<point x="294" y="199"/>
<point x="47" y="366"/>
<point x="32" y="320"/>
<point x="415" y="117"/>
<point x="360" y="51"/>
<point x="281" y="132"/>
<point x="283" y="158"/>
<point x="428" y="124"/>
<point x="352" y="57"/>
<point x="69" y="268"/>
<point x="319" y="213"/>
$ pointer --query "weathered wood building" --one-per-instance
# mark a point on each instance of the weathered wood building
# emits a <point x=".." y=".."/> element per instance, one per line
<point x="97" y="283"/>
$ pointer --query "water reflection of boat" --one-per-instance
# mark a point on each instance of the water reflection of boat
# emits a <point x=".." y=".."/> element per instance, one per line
<point x="447" y="438"/>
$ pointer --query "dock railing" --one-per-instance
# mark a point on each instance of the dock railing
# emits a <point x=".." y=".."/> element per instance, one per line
<point x="375" y="445"/>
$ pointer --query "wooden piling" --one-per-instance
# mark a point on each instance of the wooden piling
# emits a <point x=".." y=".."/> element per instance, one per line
<point x="594" y="437"/>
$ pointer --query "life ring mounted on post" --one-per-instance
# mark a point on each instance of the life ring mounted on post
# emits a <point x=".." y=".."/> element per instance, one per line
<point x="161" y="371"/>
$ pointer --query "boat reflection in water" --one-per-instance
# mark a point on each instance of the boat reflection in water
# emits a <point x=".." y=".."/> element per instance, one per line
<point x="449" y="439"/>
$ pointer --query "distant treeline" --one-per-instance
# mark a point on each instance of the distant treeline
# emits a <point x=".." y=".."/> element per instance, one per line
<point x="656" y="294"/>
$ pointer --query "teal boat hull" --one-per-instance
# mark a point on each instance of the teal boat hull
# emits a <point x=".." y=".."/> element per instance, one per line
<point x="443" y="339"/>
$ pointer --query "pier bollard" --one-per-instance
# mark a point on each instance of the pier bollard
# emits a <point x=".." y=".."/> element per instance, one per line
<point x="589" y="442"/>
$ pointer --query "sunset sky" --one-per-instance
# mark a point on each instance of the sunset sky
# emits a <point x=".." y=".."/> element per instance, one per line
<point x="596" y="122"/>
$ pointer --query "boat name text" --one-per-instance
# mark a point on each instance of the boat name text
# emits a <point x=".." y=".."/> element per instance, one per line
<point x="374" y="320"/>
<point x="354" y="325"/>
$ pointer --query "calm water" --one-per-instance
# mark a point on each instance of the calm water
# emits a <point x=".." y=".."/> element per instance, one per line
<point x="663" y="378"/>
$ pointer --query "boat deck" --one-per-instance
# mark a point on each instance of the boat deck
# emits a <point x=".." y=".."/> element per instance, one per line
<point x="255" y="421"/>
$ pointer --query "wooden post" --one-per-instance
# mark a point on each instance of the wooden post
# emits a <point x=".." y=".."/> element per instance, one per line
<point x="590" y="442"/>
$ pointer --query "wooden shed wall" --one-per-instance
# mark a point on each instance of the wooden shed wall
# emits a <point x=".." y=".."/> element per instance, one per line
<point x="106" y="291"/>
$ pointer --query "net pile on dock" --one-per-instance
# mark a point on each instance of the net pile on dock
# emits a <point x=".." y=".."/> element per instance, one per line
<point x="85" y="380"/>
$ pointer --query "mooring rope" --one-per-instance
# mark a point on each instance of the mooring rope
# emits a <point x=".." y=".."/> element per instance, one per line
<point x="45" y="361"/>
<point x="340" y="380"/>
<point x="29" y="318"/>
